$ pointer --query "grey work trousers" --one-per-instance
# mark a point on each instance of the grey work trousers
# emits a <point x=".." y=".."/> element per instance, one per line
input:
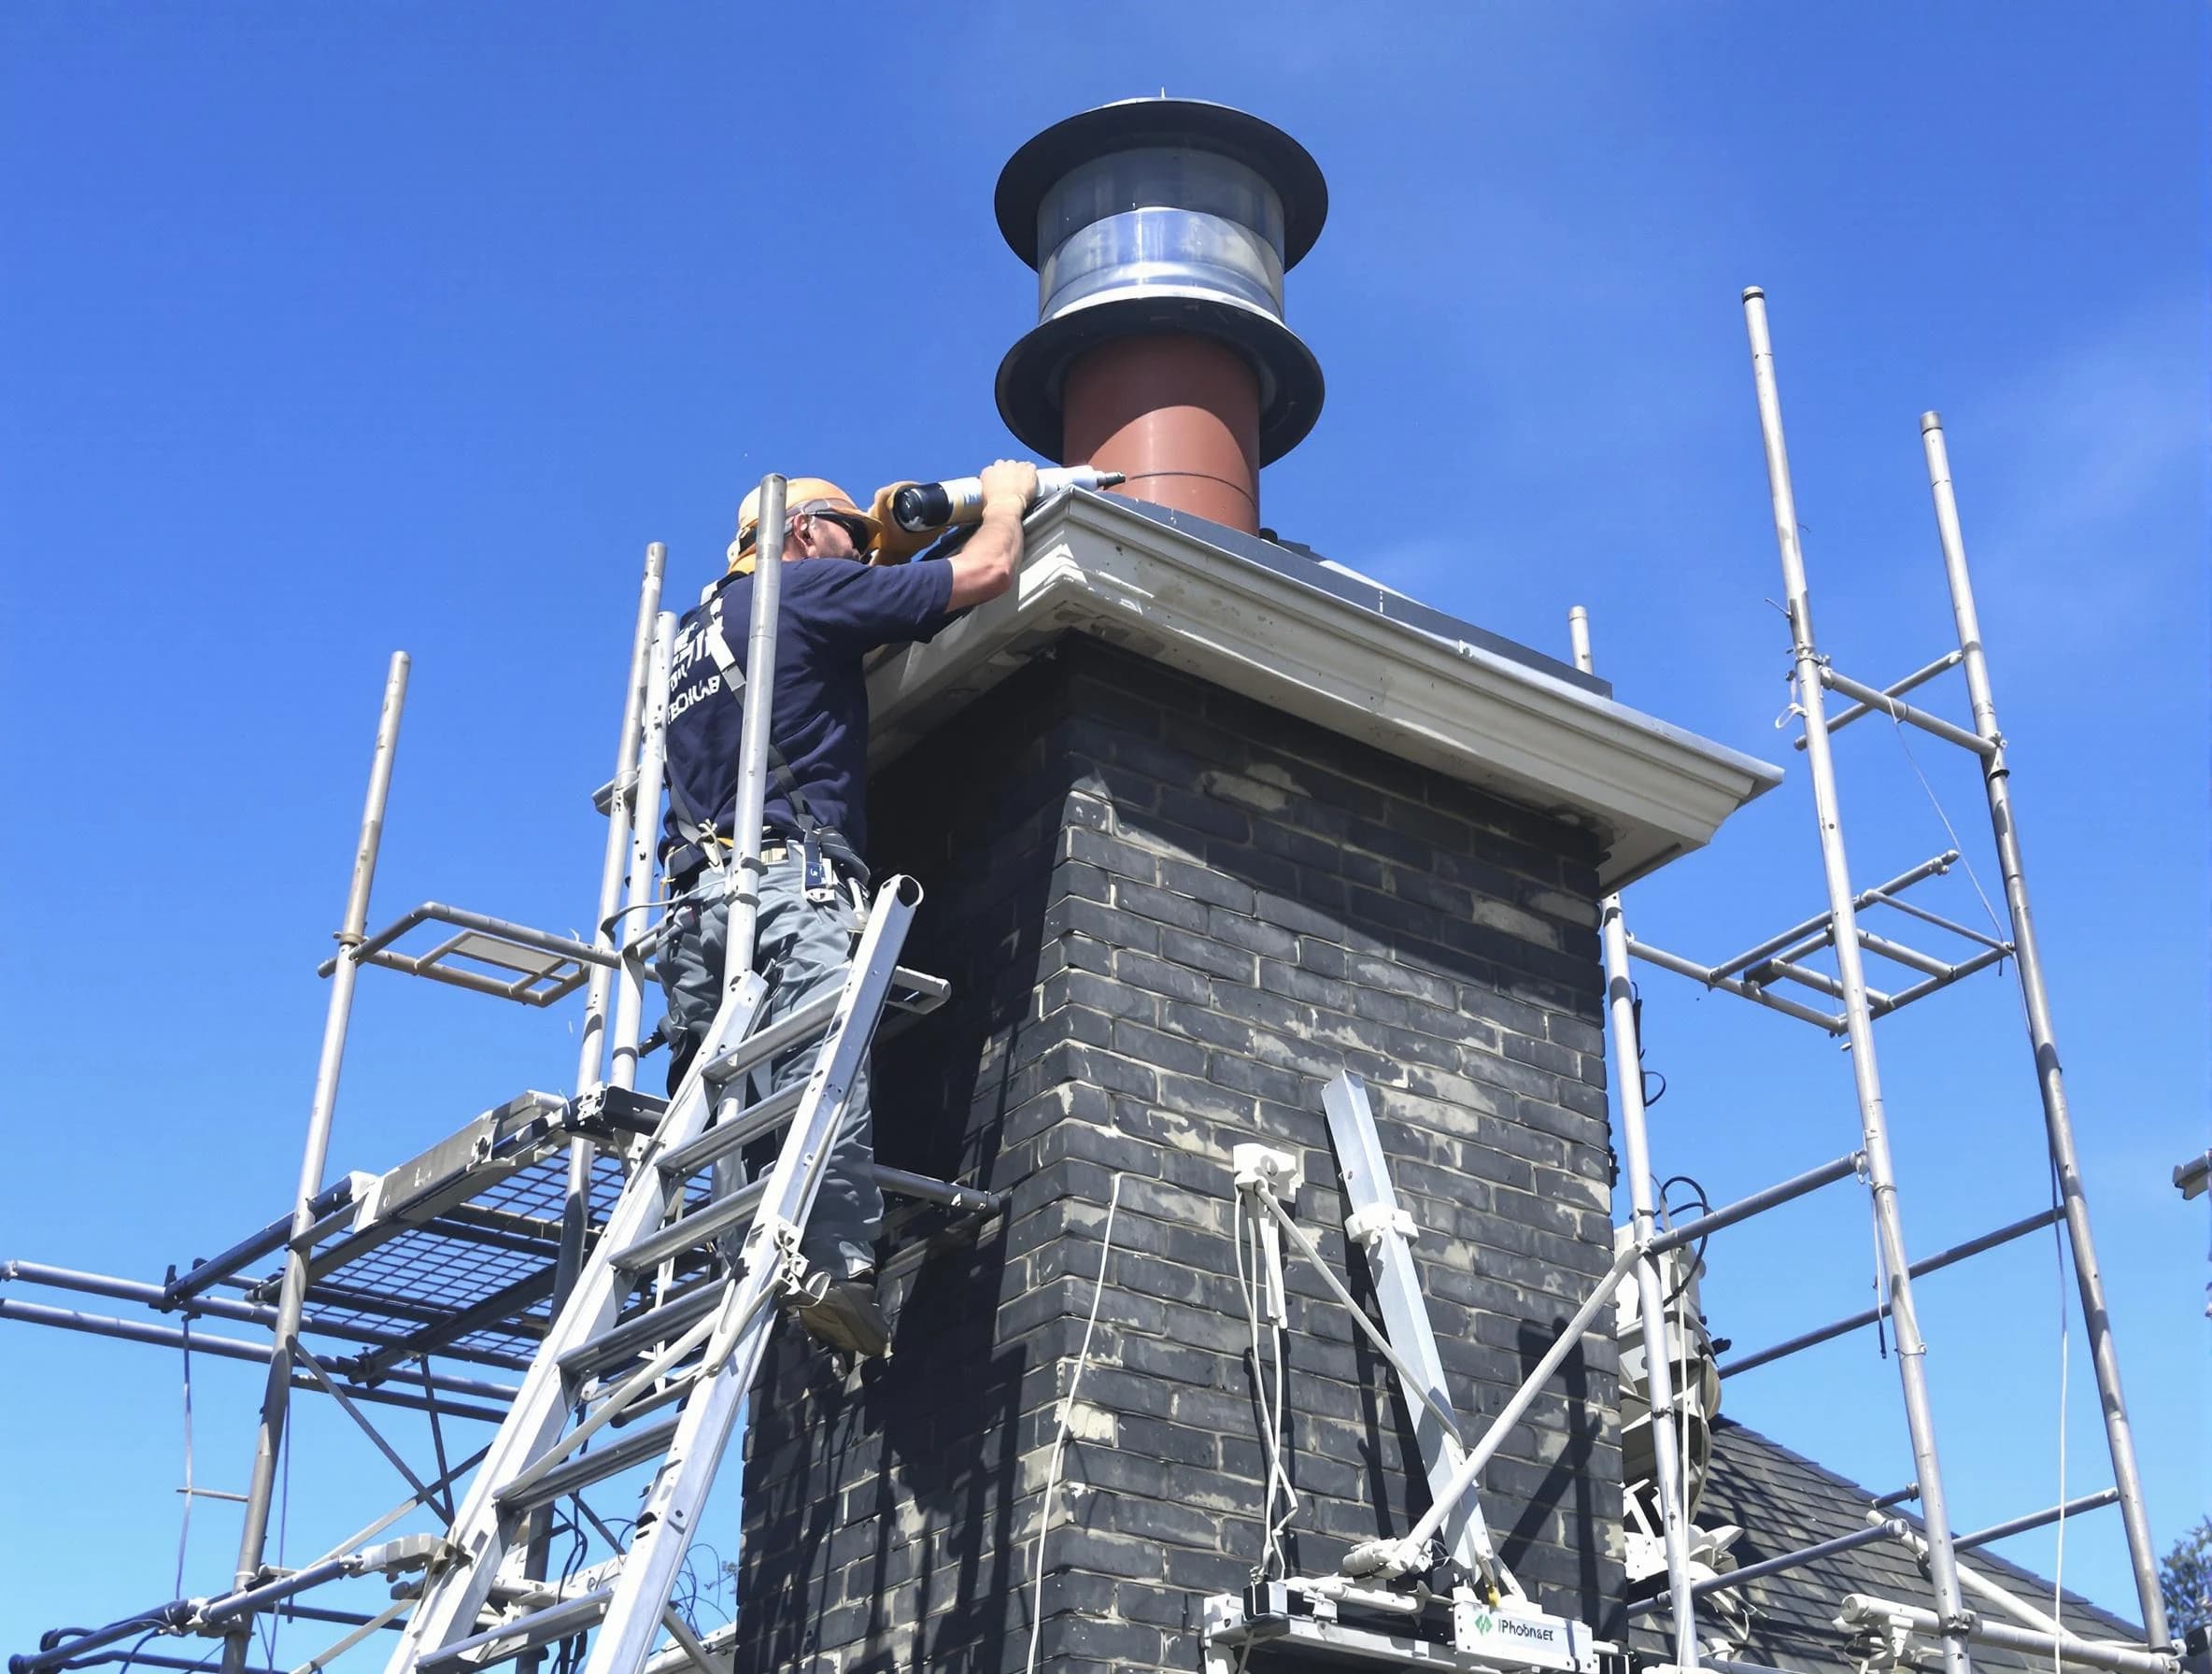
<point x="802" y="948"/>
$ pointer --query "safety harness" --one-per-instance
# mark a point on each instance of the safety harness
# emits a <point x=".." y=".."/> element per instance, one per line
<point x="704" y="845"/>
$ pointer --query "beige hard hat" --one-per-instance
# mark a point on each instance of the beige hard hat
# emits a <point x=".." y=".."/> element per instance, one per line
<point x="803" y="496"/>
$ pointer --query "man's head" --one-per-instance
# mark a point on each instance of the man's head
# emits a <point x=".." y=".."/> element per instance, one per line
<point x="820" y="520"/>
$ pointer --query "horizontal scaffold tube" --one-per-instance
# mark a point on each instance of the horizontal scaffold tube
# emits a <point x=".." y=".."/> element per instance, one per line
<point x="1862" y="1611"/>
<point x="230" y="1348"/>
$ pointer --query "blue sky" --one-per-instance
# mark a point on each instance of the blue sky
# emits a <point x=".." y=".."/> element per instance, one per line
<point x="331" y="330"/>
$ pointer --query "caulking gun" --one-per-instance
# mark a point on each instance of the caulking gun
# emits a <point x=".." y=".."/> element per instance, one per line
<point x="922" y="506"/>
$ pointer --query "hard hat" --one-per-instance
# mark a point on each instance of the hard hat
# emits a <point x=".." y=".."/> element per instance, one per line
<point x="802" y="495"/>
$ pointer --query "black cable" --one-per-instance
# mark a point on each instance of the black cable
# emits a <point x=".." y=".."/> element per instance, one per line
<point x="129" y="1656"/>
<point x="1705" y="1207"/>
<point x="1636" y="1003"/>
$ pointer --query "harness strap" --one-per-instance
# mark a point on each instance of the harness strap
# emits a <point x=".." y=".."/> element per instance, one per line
<point x="733" y="682"/>
<point x="700" y="833"/>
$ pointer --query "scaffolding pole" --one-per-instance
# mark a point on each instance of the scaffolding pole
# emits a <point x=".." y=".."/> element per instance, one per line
<point x="644" y="841"/>
<point x="291" y="1299"/>
<point x="753" y="739"/>
<point x="2058" y="1123"/>
<point x="1858" y="1015"/>
<point x="1629" y="1086"/>
<point x="606" y="934"/>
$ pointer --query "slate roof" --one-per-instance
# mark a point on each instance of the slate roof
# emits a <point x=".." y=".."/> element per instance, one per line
<point x="1783" y="1501"/>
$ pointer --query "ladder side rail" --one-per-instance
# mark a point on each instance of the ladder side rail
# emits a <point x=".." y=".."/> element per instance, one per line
<point x="1996" y="777"/>
<point x="668" y="1518"/>
<point x="1624" y="1049"/>
<point x="1371" y="1220"/>
<point x="1859" y="1021"/>
<point x="452" y="1599"/>
<point x="337" y="1021"/>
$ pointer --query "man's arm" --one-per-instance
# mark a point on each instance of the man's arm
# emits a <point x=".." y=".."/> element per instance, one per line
<point x="986" y="566"/>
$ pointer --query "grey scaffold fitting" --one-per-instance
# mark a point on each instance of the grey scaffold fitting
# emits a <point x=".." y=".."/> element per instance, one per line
<point x="1368" y="1225"/>
<point x="1388" y="1559"/>
<point x="1263" y="1168"/>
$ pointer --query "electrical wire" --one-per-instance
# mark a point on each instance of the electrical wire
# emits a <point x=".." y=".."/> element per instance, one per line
<point x="1881" y="1281"/>
<point x="1059" y="1443"/>
<point x="1635" y="1006"/>
<point x="1898" y="728"/>
<point x="1275" y="1416"/>
<point x="1271" y="1416"/>
<point x="1705" y="1207"/>
<point x="131" y="1655"/>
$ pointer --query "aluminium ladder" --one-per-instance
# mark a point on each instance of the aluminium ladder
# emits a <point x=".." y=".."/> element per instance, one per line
<point x="607" y="1368"/>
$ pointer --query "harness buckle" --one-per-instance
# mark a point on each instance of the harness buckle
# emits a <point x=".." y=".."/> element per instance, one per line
<point x="820" y="878"/>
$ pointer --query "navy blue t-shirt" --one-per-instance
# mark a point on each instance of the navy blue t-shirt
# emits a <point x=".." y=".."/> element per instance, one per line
<point x="834" y="611"/>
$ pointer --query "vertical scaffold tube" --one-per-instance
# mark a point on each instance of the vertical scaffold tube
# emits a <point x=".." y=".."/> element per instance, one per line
<point x="575" y="1206"/>
<point x="292" y="1298"/>
<point x="1882" y="1179"/>
<point x="645" y="840"/>
<point x="591" y="1049"/>
<point x="2058" y="1122"/>
<point x="1627" y="1068"/>
<point x="751" y="781"/>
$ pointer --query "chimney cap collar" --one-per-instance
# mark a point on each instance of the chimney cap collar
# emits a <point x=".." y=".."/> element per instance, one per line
<point x="1191" y="124"/>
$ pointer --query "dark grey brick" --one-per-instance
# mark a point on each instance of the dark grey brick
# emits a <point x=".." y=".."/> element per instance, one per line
<point x="1215" y="958"/>
<point x="1158" y="977"/>
<point x="1122" y="859"/>
<point x="1161" y="1051"/>
<point x="1161" y="905"/>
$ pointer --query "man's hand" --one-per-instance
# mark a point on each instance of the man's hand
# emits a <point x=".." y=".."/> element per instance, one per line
<point x="1009" y="482"/>
<point x="984" y="567"/>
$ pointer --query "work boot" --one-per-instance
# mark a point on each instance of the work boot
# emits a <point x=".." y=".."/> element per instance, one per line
<point x="846" y="1318"/>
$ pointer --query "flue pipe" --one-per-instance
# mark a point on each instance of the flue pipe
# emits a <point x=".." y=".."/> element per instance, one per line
<point x="1160" y="230"/>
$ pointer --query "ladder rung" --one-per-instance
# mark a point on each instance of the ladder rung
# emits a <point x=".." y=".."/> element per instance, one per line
<point x="642" y="1330"/>
<point x="923" y="993"/>
<point x="785" y="1033"/>
<point x="700" y="1225"/>
<point x="586" y="1469"/>
<point x="540" y="1627"/>
<point x="726" y="1136"/>
<point x="688" y="1230"/>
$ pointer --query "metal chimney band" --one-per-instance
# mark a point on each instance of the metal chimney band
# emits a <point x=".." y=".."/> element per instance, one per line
<point x="1205" y="257"/>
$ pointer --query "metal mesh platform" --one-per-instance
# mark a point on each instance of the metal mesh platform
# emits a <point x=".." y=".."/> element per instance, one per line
<point x="475" y="1280"/>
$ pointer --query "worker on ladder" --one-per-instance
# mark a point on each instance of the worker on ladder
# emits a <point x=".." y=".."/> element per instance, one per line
<point x="847" y="590"/>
